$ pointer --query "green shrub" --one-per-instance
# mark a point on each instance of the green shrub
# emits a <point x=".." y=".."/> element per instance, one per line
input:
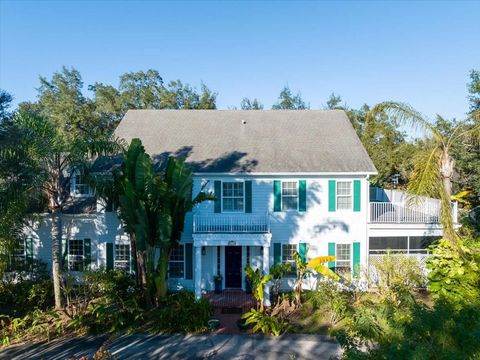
<point x="181" y="313"/>
<point x="107" y="301"/>
<point x="264" y="323"/>
<point x="455" y="276"/>
<point x="19" y="298"/>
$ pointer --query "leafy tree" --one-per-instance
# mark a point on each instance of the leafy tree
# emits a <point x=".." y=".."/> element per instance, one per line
<point x="474" y="91"/>
<point x="5" y="103"/>
<point x="333" y="102"/>
<point x="55" y="157"/>
<point x="434" y="164"/>
<point x="147" y="90"/>
<point x="248" y="104"/>
<point x="288" y="101"/>
<point x="153" y="206"/>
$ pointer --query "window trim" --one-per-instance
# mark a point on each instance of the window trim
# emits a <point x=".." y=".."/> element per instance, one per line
<point x="350" y="245"/>
<point x="177" y="261"/>
<point x="294" y="267"/>
<point x="234" y="197"/>
<point x="74" y="185"/>
<point x="83" y="255"/>
<point x="115" y="261"/>
<point x="297" y="196"/>
<point x="344" y="196"/>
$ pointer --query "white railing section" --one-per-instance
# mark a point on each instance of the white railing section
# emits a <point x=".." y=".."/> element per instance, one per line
<point x="387" y="212"/>
<point x="230" y="224"/>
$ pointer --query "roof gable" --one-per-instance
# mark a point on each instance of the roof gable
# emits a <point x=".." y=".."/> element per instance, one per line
<point x="250" y="141"/>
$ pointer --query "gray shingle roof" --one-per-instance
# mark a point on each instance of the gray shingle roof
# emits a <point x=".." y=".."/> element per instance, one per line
<point x="252" y="141"/>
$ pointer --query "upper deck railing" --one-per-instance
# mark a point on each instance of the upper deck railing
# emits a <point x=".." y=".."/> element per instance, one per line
<point x="423" y="213"/>
<point x="231" y="224"/>
<point x="387" y="212"/>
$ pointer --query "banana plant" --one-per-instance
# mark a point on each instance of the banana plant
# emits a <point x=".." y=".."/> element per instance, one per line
<point x="315" y="265"/>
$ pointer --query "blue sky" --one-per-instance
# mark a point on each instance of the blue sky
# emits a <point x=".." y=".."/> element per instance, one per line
<point x="416" y="52"/>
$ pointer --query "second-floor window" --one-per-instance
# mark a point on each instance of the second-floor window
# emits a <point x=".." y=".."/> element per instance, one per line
<point x="79" y="187"/>
<point x="122" y="257"/>
<point x="176" y="268"/>
<point x="344" y="195"/>
<point x="233" y="196"/>
<point x="289" y="195"/>
<point x="75" y="255"/>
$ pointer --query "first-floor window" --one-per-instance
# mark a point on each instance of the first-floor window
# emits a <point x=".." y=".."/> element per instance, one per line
<point x="122" y="257"/>
<point x="288" y="257"/>
<point x="176" y="268"/>
<point x="75" y="255"/>
<point x="343" y="256"/>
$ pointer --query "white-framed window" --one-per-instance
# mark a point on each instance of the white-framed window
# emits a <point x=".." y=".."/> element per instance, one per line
<point x="289" y="195"/>
<point x="20" y="252"/>
<point x="233" y="196"/>
<point x="343" y="256"/>
<point x="288" y="257"/>
<point x="78" y="186"/>
<point x="76" y="255"/>
<point x="122" y="257"/>
<point x="344" y="195"/>
<point x="176" y="263"/>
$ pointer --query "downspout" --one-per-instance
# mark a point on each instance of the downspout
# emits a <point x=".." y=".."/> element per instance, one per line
<point x="367" y="247"/>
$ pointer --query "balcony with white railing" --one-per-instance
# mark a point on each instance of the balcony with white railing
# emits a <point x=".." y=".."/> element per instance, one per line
<point x="231" y="224"/>
<point x="423" y="213"/>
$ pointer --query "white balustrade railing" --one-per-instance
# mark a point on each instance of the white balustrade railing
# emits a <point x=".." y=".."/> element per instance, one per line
<point x="387" y="212"/>
<point x="235" y="223"/>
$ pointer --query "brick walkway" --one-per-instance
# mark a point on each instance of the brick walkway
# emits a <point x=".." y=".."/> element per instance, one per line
<point x="227" y="301"/>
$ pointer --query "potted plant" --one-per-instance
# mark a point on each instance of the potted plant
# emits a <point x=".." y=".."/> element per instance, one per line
<point x="217" y="279"/>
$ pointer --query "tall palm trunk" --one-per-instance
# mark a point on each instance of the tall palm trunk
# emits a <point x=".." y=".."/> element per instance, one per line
<point x="56" y="234"/>
<point x="142" y="268"/>
<point x="446" y="171"/>
<point x="161" y="280"/>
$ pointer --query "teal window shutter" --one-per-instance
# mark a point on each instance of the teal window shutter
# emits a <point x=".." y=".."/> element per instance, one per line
<point x="29" y="250"/>
<point x="218" y="196"/>
<point x="248" y="196"/>
<point x="302" y="195"/>
<point x="302" y="251"/>
<point x="87" y="254"/>
<point x="331" y="252"/>
<point x="356" y="259"/>
<point x="356" y="195"/>
<point x="110" y="256"/>
<point x="277" y="195"/>
<point x="189" y="261"/>
<point x="332" y="195"/>
<point x="277" y="253"/>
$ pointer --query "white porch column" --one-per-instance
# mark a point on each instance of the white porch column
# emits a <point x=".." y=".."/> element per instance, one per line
<point x="198" y="272"/>
<point x="266" y="270"/>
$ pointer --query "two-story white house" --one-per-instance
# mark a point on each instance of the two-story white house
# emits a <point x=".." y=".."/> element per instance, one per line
<point x="285" y="181"/>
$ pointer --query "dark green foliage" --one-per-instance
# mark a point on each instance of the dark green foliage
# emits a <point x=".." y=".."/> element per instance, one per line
<point x="248" y="104"/>
<point x="181" y="313"/>
<point x="115" y="302"/>
<point x="474" y="91"/>
<point x="455" y="277"/>
<point x="264" y="323"/>
<point x="288" y="101"/>
<point x="19" y="298"/>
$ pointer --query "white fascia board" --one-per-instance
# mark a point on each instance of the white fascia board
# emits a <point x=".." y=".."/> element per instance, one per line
<point x="295" y="174"/>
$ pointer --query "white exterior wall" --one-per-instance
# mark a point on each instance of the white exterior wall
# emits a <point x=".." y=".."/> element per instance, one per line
<point x="100" y="228"/>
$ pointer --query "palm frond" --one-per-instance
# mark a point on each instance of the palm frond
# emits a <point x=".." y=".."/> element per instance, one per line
<point x="404" y="114"/>
<point x="425" y="179"/>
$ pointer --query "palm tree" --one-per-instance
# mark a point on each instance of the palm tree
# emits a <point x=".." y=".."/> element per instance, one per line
<point x="55" y="156"/>
<point x="434" y="164"/>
